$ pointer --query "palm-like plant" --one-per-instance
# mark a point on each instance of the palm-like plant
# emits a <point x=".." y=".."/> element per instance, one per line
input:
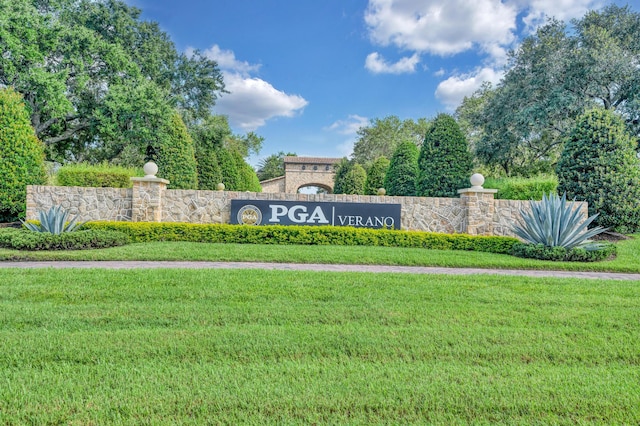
<point x="54" y="221"/>
<point x="555" y="223"/>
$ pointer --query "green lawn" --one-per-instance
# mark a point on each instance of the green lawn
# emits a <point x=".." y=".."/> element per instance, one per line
<point x="628" y="259"/>
<point x="272" y="347"/>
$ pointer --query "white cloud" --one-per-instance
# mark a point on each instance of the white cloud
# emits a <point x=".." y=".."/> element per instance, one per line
<point x="251" y="101"/>
<point x="377" y="65"/>
<point x="452" y="91"/>
<point x="564" y="10"/>
<point x="440" y="27"/>
<point x="227" y="61"/>
<point x="350" y="126"/>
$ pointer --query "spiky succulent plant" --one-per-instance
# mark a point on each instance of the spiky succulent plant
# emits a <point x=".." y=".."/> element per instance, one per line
<point x="555" y="223"/>
<point x="54" y="221"/>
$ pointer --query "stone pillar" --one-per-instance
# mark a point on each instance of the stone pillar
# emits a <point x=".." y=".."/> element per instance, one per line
<point x="146" y="202"/>
<point x="479" y="207"/>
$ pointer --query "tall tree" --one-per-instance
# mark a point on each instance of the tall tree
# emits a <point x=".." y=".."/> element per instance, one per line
<point x="375" y="176"/>
<point x="67" y="57"/>
<point x="599" y="165"/>
<point x="402" y="176"/>
<point x="350" y="178"/>
<point x="21" y="156"/>
<point x="445" y="162"/>
<point x="554" y="76"/>
<point x="273" y="165"/>
<point x="381" y="136"/>
<point x="176" y="156"/>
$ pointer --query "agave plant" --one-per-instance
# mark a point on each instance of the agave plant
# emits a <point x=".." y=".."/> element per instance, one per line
<point x="554" y="223"/>
<point x="54" y="221"/>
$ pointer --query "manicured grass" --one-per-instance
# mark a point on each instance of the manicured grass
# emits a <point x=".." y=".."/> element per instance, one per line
<point x="272" y="347"/>
<point x="628" y="259"/>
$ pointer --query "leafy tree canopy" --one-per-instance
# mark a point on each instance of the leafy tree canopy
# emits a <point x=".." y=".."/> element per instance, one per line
<point x="381" y="137"/>
<point x="273" y="166"/>
<point x="554" y="76"/>
<point x="84" y="66"/>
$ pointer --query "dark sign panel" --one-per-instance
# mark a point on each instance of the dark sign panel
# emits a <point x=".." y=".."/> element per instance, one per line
<point x="274" y="212"/>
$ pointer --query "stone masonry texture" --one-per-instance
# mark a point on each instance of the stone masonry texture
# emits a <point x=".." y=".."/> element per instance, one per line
<point x="472" y="213"/>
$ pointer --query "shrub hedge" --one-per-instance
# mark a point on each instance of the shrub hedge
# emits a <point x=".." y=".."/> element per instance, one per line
<point x="519" y="188"/>
<point x="96" y="176"/>
<point x="542" y="252"/>
<point x="24" y="239"/>
<point x="306" y="235"/>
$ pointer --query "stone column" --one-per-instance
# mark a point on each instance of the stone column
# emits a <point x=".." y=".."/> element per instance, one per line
<point x="479" y="207"/>
<point x="146" y="203"/>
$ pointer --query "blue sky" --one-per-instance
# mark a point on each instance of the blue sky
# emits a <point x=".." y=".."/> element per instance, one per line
<point x="306" y="74"/>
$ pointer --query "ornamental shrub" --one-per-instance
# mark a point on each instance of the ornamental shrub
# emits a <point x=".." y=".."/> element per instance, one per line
<point x="521" y="188"/>
<point x="176" y="157"/>
<point x="599" y="165"/>
<point x="248" y="179"/>
<point x="402" y="174"/>
<point x="23" y="239"/>
<point x="445" y="162"/>
<point x="577" y="254"/>
<point x="355" y="180"/>
<point x="228" y="170"/>
<point x="376" y="175"/>
<point x="308" y="235"/>
<point x="21" y="156"/>
<point x="96" y="175"/>
<point x="350" y="178"/>
<point x="341" y="172"/>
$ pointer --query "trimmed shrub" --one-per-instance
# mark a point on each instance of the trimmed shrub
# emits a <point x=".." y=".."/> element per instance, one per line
<point x="23" y="239"/>
<point x="307" y="235"/>
<point x="248" y="177"/>
<point x="350" y="178"/>
<point x="557" y="253"/>
<point x="599" y="165"/>
<point x="445" y="162"/>
<point x="21" y="156"/>
<point x="520" y="188"/>
<point x="176" y="157"/>
<point x="403" y="170"/>
<point x="230" y="173"/>
<point x="376" y="175"/>
<point x="208" y="137"/>
<point x="96" y="175"/>
<point x="341" y="172"/>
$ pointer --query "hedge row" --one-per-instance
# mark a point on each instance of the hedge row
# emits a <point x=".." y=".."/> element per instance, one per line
<point x="518" y="188"/>
<point x="95" y="176"/>
<point x="23" y="239"/>
<point x="541" y="252"/>
<point x="306" y="235"/>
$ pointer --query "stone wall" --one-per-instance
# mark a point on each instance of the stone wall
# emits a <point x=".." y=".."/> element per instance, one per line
<point x="476" y="212"/>
<point x="274" y="185"/>
<point x="87" y="203"/>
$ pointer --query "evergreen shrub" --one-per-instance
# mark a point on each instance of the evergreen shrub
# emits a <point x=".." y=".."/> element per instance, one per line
<point x="96" y="175"/>
<point x="21" y="156"/>
<point x="23" y="239"/>
<point x="307" y="235"/>
<point x="176" y="155"/>
<point x="376" y="175"/>
<point x="445" y="163"/>
<point x="403" y="170"/>
<point x="577" y="254"/>
<point x="599" y="165"/>
<point x="521" y="188"/>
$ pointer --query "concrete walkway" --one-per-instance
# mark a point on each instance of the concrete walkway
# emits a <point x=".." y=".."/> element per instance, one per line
<point x="315" y="267"/>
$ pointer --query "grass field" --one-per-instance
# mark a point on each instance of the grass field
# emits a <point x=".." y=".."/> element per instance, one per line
<point x="628" y="259"/>
<point x="271" y="347"/>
